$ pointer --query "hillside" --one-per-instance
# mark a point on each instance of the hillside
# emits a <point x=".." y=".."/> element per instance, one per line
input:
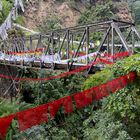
<point x="37" y="12"/>
<point x="71" y="84"/>
<point x="67" y="13"/>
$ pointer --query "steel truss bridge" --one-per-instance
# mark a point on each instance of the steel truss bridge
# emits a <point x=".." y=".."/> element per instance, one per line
<point x="70" y="48"/>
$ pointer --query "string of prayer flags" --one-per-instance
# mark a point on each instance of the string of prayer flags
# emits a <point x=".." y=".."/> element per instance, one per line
<point x="89" y="96"/>
<point x="97" y="95"/>
<point x="103" y="90"/>
<point x="52" y="77"/>
<point x="21" y="5"/>
<point x="35" y="116"/>
<point x="114" y="85"/>
<point x="32" y="117"/>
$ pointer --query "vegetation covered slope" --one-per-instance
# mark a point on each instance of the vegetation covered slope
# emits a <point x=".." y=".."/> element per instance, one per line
<point x="66" y="13"/>
<point x="114" y="117"/>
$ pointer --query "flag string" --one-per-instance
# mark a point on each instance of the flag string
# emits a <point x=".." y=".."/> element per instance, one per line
<point x="82" y="68"/>
<point x="82" y="99"/>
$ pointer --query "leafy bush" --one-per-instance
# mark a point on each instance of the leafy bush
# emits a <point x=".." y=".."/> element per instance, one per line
<point x="120" y="68"/>
<point x="47" y="91"/>
<point x="119" y="112"/>
<point x="98" y="78"/>
<point x="100" y="12"/>
<point x="117" y="117"/>
<point x="7" y="108"/>
<point x="135" y="9"/>
<point x="5" y="10"/>
<point x="50" y="24"/>
<point x="126" y="65"/>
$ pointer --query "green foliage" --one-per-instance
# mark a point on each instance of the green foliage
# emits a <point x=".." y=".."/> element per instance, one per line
<point x="106" y="128"/>
<point x="125" y="107"/>
<point x="119" y="113"/>
<point x="41" y="133"/>
<point x="5" y="11"/>
<point x="6" y="8"/>
<point x="96" y="36"/>
<point x="120" y="68"/>
<point x="20" y="20"/>
<point x="62" y="127"/>
<point x="14" y="33"/>
<point x="50" y="24"/>
<point x="126" y="65"/>
<point x="135" y="9"/>
<point x="13" y="129"/>
<point x="7" y="108"/>
<point x="36" y="133"/>
<point x="100" y="12"/>
<point x="117" y="117"/>
<point x="47" y="91"/>
<point x="114" y="119"/>
<point x="98" y="78"/>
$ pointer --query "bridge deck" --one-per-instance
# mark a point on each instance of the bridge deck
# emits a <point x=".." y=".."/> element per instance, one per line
<point x="38" y="65"/>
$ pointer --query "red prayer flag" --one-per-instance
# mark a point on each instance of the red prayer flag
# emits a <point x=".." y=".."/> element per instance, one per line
<point x="32" y="117"/>
<point x="97" y="94"/>
<point x="104" y="91"/>
<point x="5" y="122"/>
<point x="83" y="99"/>
<point x="79" y="99"/>
<point x="89" y="95"/>
<point x="132" y="76"/>
<point x="123" y="81"/>
<point x="114" y="85"/>
<point x="101" y="91"/>
<point x="54" y="107"/>
<point x="67" y="103"/>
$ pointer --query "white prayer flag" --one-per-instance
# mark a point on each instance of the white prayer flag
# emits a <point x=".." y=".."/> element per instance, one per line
<point x="8" y="22"/>
<point x="21" y="5"/>
<point x="16" y="3"/>
<point x="13" y="15"/>
<point x="3" y="32"/>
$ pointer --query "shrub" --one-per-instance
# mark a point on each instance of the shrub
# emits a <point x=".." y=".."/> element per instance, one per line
<point x="50" y="24"/>
<point x="100" y="12"/>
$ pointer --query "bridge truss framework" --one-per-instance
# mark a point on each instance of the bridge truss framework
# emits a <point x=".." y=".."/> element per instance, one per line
<point x="114" y="37"/>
